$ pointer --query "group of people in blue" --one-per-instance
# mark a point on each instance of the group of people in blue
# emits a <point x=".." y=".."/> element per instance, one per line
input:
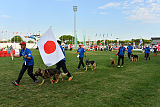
<point x="29" y="64"/>
<point x="122" y="52"/>
<point x="29" y="60"/>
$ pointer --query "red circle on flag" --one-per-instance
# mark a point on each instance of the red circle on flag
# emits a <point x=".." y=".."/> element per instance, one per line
<point x="49" y="47"/>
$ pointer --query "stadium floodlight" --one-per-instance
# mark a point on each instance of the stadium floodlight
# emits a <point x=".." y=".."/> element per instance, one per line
<point x="75" y="32"/>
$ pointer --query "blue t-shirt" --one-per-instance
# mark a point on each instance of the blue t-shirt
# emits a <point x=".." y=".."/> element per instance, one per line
<point x="81" y="52"/>
<point x="147" y="50"/>
<point x="122" y="51"/>
<point x="63" y="53"/>
<point x="28" y="53"/>
<point x="129" y="49"/>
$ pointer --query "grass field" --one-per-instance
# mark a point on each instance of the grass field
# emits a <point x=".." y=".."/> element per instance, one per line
<point x="137" y="84"/>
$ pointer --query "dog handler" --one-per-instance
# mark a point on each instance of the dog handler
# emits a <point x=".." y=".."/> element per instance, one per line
<point x="27" y="65"/>
<point x="62" y="64"/>
<point x="82" y="53"/>
<point x="121" y="52"/>
<point x="147" y="52"/>
<point x="130" y="49"/>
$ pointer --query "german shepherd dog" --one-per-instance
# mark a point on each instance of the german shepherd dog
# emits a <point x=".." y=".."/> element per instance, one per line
<point x="48" y="73"/>
<point x="112" y="61"/>
<point x="91" y="64"/>
<point x="134" y="57"/>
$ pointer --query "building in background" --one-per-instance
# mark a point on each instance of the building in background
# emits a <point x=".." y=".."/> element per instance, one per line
<point x="155" y="41"/>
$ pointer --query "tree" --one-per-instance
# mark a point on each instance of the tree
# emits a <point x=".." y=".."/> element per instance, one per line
<point x="9" y="40"/>
<point x="16" y="39"/>
<point x="98" y="42"/>
<point x="146" y="41"/>
<point x="137" y="41"/>
<point x="67" y="38"/>
<point x="78" y="42"/>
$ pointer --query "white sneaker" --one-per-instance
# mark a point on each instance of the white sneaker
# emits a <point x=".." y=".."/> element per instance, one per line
<point x="122" y="66"/>
<point x="118" y="66"/>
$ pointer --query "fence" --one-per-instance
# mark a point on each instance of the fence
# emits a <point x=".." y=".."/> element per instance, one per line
<point x="17" y="46"/>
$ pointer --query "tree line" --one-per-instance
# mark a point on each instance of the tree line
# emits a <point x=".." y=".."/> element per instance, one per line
<point x="69" y="39"/>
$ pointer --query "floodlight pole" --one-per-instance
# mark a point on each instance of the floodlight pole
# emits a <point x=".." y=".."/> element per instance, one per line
<point x="75" y="32"/>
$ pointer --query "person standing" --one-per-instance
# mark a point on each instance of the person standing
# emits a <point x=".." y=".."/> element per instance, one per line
<point x="82" y="53"/>
<point x="101" y="47"/>
<point x="70" y="47"/>
<point x="130" y="49"/>
<point x="95" y="47"/>
<point x="147" y="52"/>
<point x="110" y="48"/>
<point x="27" y="65"/>
<point x="62" y="64"/>
<point x="121" y="52"/>
<point x="155" y="51"/>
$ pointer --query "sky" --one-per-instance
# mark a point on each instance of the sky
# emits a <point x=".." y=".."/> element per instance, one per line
<point x="125" y="19"/>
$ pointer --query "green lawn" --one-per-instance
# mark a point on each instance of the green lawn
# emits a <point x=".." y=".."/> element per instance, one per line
<point x="137" y="84"/>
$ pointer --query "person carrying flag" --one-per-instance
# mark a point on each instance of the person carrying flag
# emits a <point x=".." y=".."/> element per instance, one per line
<point x="61" y="64"/>
<point x="82" y="53"/>
<point x="130" y="49"/>
<point x="27" y="65"/>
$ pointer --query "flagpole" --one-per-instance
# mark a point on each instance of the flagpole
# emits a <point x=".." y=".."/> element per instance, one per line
<point x="6" y="36"/>
<point x="14" y="39"/>
<point x="11" y="37"/>
<point x="88" y="43"/>
<point x="96" y="39"/>
<point x="111" y="40"/>
<point x="104" y="41"/>
<point x="107" y="40"/>
<point x="84" y="36"/>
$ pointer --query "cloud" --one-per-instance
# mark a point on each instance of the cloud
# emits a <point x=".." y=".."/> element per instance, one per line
<point x="103" y="13"/>
<point x="5" y="16"/>
<point x="147" y="11"/>
<point x="145" y="15"/>
<point x="110" y="5"/>
<point x="137" y="1"/>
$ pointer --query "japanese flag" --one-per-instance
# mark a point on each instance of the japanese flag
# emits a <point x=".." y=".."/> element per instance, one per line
<point x="49" y="49"/>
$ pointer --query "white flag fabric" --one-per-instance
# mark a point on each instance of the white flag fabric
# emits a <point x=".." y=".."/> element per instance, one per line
<point x="141" y="42"/>
<point x="49" y="49"/>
